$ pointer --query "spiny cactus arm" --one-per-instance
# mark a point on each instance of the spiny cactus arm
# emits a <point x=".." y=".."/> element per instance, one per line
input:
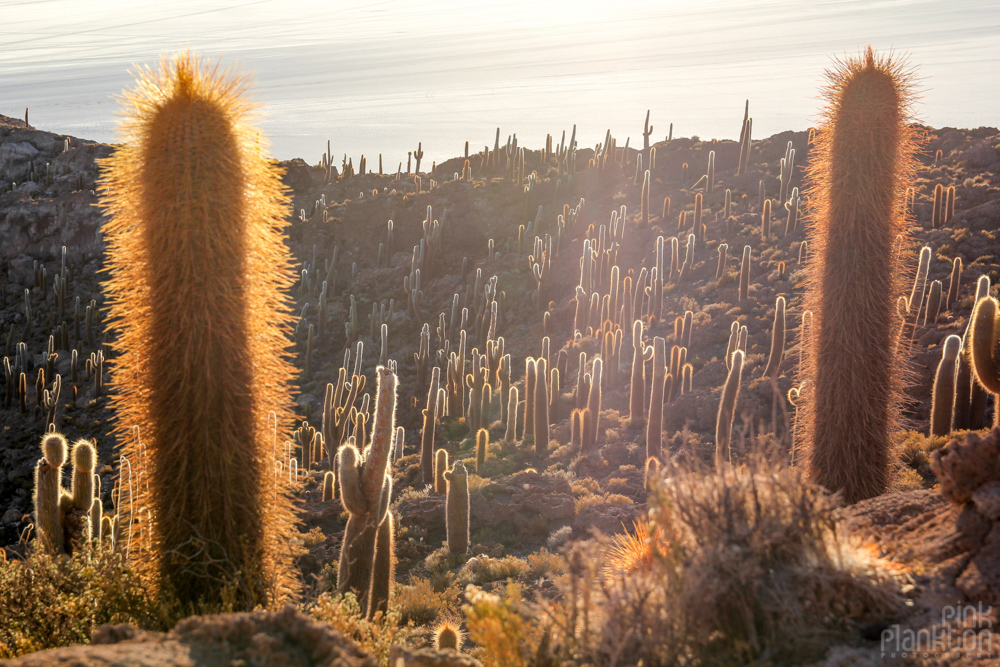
<point x="384" y="497"/>
<point x="983" y="344"/>
<point x="84" y="460"/>
<point x="382" y="431"/>
<point x="350" y="480"/>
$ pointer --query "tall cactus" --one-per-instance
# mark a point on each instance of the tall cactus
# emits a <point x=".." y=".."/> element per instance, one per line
<point x="430" y="414"/>
<point x="943" y="398"/>
<point x="637" y="392"/>
<point x="48" y="491"/>
<point x="654" y="425"/>
<point x="199" y="279"/>
<point x="861" y="164"/>
<point x="457" y="508"/>
<point x="984" y="347"/>
<point x="727" y="409"/>
<point x="365" y="489"/>
<point x="541" y="412"/>
<point x="777" y="339"/>
<point x="383" y="567"/>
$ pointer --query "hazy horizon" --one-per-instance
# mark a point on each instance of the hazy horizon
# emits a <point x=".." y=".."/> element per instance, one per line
<point x="380" y="78"/>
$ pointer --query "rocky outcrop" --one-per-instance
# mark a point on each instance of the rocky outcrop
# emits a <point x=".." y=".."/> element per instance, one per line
<point x="47" y="197"/>
<point x="256" y="639"/>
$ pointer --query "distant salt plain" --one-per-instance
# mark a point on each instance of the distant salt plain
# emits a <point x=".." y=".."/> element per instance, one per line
<point x="378" y="77"/>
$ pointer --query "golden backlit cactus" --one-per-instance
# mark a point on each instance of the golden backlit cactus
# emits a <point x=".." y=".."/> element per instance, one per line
<point x="860" y="167"/>
<point x="198" y="294"/>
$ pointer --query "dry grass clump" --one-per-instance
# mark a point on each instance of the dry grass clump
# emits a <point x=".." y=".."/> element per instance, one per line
<point x="48" y="602"/>
<point x="420" y="603"/>
<point x="733" y="567"/>
<point x="483" y="569"/>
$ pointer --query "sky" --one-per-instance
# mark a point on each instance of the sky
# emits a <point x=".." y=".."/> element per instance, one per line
<point x="378" y="77"/>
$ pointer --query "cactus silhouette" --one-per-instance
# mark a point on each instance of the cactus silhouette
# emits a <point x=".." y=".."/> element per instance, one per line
<point x="457" y="508"/>
<point x="983" y="347"/>
<point x="365" y="490"/>
<point x="861" y="163"/>
<point x="777" y="339"/>
<point x="482" y="439"/>
<point x="199" y="274"/>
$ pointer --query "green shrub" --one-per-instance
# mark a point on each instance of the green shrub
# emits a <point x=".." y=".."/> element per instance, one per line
<point x="48" y="602"/>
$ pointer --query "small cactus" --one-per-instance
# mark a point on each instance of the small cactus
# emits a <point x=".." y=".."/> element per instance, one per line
<point x="447" y="637"/>
<point x="482" y="439"/>
<point x="777" y="339"/>
<point x="654" y="425"/>
<point x="328" y="483"/>
<point x="541" y="412"/>
<point x="457" y="504"/>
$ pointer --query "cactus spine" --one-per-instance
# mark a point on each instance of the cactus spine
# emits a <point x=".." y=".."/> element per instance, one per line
<point x="457" y="505"/>
<point x="944" y="387"/>
<point x="196" y="232"/>
<point x="365" y="490"/>
<point x="863" y="159"/>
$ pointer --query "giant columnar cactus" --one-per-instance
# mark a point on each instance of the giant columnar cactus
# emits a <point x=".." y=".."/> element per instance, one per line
<point x="529" y="400"/>
<point x="541" y="413"/>
<point x="654" y="426"/>
<point x="77" y="529"/>
<point x="637" y="392"/>
<point x="727" y="408"/>
<point x="594" y="401"/>
<point x="777" y="339"/>
<point x="457" y="508"/>
<point x="510" y="435"/>
<point x="383" y="567"/>
<point x="984" y="346"/>
<point x="198" y="292"/>
<point x="861" y="164"/>
<point x="440" y="468"/>
<point x="365" y="489"/>
<point x="427" y="433"/>
<point x="944" y="387"/>
<point x="48" y="492"/>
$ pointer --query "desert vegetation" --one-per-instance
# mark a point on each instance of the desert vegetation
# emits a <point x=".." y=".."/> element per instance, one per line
<point x="683" y="404"/>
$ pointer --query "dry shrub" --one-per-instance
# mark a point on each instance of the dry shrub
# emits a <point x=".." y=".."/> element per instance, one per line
<point x="421" y="604"/>
<point x="736" y="566"/>
<point x="49" y="602"/>
<point x="375" y="635"/>
<point x="483" y="569"/>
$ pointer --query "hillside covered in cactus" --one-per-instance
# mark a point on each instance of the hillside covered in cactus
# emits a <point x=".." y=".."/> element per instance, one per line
<point x="661" y="400"/>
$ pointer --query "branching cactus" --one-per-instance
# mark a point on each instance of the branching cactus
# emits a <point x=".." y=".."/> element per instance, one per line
<point x="727" y="409"/>
<point x="199" y="278"/>
<point x="48" y="492"/>
<point x="365" y="490"/>
<point x="427" y="433"/>
<point x="76" y="518"/>
<point x="440" y="468"/>
<point x="457" y="517"/>
<point x="777" y="339"/>
<point x="637" y="393"/>
<point x="944" y="387"/>
<point x="860" y="166"/>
